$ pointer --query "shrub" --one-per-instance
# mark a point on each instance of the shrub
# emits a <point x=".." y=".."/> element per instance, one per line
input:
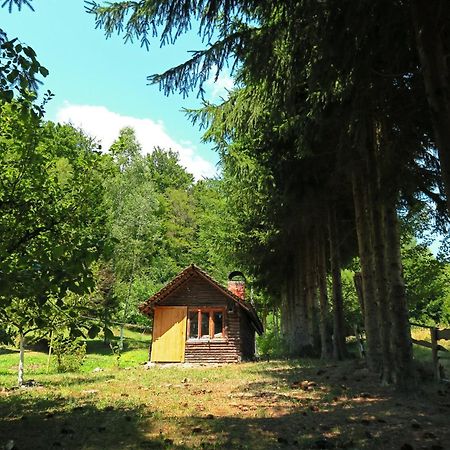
<point x="271" y="345"/>
<point x="70" y="353"/>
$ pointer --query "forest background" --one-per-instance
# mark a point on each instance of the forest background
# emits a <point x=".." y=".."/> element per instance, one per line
<point x="326" y="174"/>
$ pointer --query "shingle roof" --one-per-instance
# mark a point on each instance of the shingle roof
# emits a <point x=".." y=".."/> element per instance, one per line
<point x="185" y="275"/>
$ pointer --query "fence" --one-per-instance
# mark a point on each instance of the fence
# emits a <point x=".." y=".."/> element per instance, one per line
<point x="435" y="336"/>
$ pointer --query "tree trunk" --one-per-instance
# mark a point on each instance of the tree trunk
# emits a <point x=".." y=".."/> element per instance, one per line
<point x="434" y="60"/>
<point x="381" y="282"/>
<point x="21" y="360"/>
<point x="294" y="314"/>
<point x="362" y="218"/>
<point x="285" y="314"/>
<point x="339" y="350"/>
<point x="403" y="374"/>
<point x="303" y="313"/>
<point x="325" y="338"/>
<point x="377" y="200"/>
<point x="311" y="298"/>
<point x="276" y="326"/>
<point x="357" y="280"/>
<point x="122" y="326"/>
<point x="50" y="349"/>
<point x="264" y="317"/>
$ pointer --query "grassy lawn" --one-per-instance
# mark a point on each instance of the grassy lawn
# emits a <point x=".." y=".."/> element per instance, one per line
<point x="297" y="404"/>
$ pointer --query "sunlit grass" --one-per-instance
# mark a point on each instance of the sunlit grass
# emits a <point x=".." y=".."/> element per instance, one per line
<point x="251" y="405"/>
<point x="99" y="355"/>
<point x="424" y="355"/>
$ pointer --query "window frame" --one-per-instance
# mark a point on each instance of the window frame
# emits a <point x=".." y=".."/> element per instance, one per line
<point x="210" y="311"/>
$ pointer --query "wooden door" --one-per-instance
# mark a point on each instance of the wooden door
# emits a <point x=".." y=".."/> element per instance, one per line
<point x="169" y="334"/>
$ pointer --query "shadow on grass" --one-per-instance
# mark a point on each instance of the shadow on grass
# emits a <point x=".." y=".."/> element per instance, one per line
<point x="8" y="351"/>
<point x="345" y="408"/>
<point x="335" y="412"/>
<point x="93" y="346"/>
<point x="77" y="380"/>
<point x="99" y="347"/>
<point x="50" y="423"/>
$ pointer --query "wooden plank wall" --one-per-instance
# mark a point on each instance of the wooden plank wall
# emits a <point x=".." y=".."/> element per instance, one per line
<point x="216" y="351"/>
<point x="198" y="292"/>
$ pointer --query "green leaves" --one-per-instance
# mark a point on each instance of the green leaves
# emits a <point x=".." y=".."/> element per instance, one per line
<point x="52" y="221"/>
<point x="12" y="76"/>
<point x="93" y="331"/>
<point x="19" y="72"/>
<point x="427" y="281"/>
<point x="109" y="335"/>
<point x="7" y="95"/>
<point x="43" y="71"/>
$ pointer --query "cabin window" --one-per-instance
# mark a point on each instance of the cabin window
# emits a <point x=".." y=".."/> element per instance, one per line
<point x="206" y="323"/>
<point x="217" y="317"/>
<point x="193" y="322"/>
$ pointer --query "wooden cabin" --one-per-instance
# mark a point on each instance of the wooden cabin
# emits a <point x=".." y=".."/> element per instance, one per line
<point x="196" y="320"/>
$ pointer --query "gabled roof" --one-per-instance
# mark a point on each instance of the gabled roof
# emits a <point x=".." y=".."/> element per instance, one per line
<point x="183" y="277"/>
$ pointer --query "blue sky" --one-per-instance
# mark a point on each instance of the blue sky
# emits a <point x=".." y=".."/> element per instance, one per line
<point x="100" y="84"/>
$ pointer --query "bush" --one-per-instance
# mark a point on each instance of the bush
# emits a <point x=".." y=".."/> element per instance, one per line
<point x="70" y="354"/>
<point x="271" y="345"/>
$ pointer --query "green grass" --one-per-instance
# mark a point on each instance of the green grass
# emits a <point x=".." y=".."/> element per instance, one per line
<point x="423" y="354"/>
<point x="99" y="354"/>
<point x="249" y="406"/>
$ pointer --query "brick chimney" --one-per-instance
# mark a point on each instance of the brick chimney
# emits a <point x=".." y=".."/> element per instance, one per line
<point x="236" y="284"/>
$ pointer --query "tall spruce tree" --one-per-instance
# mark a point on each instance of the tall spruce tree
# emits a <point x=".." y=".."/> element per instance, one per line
<point x="331" y="112"/>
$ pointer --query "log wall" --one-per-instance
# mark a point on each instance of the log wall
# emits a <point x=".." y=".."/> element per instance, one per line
<point x="217" y="350"/>
<point x="197" y="292"/>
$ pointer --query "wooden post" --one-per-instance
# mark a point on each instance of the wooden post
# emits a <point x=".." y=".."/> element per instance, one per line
<point x="434" y="352"/>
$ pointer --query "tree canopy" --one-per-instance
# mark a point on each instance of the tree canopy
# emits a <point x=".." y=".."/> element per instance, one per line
<point x="333" y="127"/>
<point x="335" y="154"/>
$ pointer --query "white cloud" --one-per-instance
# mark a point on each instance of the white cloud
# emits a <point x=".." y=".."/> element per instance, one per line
<point x="104" y="125"/>
<point x="219" y="88"/>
